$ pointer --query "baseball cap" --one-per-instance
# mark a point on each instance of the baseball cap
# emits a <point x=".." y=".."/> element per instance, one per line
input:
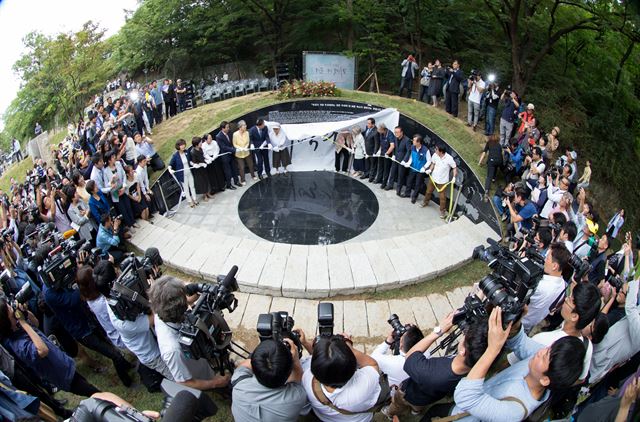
<point x="531" y="107"/>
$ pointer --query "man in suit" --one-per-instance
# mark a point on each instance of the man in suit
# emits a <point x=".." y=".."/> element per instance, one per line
<point x="387" y="145"/>
<point x="259" y="136"/>
<point x="227" y="148"/>
<point x="454" y="77"/>
<point x="397" y="173"/>
<point x="409" y="69"/>
<point x="371" y="145"/>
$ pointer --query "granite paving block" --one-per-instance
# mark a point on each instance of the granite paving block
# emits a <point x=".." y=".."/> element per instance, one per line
<point x="340" y="276"/>
<point x="238" y="255"/>
<point x="273" y="274"/>
<point x="440" y="305"/>
<point x="423" y="313"/>
<point x="382" y="267"/>
<point x="402" y="308"/>
<point x="234" y="318"/>
<point x="295" y="275"/>
<point x="363" y="276"/>
<point x="279" y="304"/>
<point x="305" y="315"/>
<point x="377" y="316"/>
<point x="256" y="305"/>
<point x="317" y="272"/>
<point x="249" y="273"/>
<point x="355" y="318"/>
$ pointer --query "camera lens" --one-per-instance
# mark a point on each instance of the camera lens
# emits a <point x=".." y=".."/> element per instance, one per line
<point x="493" y="290"/>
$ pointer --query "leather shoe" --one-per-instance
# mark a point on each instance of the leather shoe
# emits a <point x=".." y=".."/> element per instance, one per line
<point x="405" y="195"/>
<point x="388" y="187"/>
<point x="413" y="200"/>
<point x="383" y="187"/>
<point x="231" y="187"/>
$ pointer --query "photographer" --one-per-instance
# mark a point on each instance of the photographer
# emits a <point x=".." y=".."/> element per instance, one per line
<point x="392" y="364"/>
<point x="598" y="260"/>
<point x="267" y="387"/>
<point x="578" y="310"/>
<point x="454" y="78"/>
<point x="432" y="378"/>
<point x="550" y="288"/>
<point x="35" y="351"/>
<point x="521" y="211"/>
<point x="71" y="312"/>
<point x="509" y="100"/>
<point x="476" y="88"/>
<point x="168" y="298"/>
<point x="107" y="239"/>
<point x="144" y="146"/>
<point x="342" y="383"/>
<point x="516" y="392"/>
<point x="555" y="192"/>
<point x="622" y="340"/>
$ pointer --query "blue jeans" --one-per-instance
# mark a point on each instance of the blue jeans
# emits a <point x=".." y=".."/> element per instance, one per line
<point x="497" y="201"/>
<point x="490" y="122"/>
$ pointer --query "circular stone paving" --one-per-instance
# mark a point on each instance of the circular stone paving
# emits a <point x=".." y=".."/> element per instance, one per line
<point x="308" y="208"/>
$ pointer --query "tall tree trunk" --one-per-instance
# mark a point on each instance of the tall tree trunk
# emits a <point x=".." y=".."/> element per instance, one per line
<point x="350" y="30"/>
<point x="623" y="60"/>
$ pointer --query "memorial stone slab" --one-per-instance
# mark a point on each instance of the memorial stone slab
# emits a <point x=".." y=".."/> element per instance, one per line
<point x="295" y="275"/>
<point x="363" y="276"/>
<point x="306" y="315"/>
<point x="377" y="316"/>
<point x="256" y="305"/>
<point x="340" y="276"/>
<point x="355" y="318"/>
<point x="317" y="272"/>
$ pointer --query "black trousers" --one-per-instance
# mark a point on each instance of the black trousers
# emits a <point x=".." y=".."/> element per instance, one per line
<point x="451" y="103"/>
<point x="227" y="168"/>
<point x="402" y="178"/>
<point x="406" y="83"/>
<point x="344" y="155"/>
<point x="261" y="158"/>
<point x="397" y="173"/>
<point x="156" y="162"/>
<point x="98" y="342"/>
<point x="372" y="167"/>
<point x="415" y="184"/>
<point x="81" y="387"/>
<point x="384" y="168"/>
<point x="492" y="171"/>
<point x="157" y="113"/>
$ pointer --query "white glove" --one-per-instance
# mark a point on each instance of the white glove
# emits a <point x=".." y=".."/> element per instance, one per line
<point x="251" y="147"/>
<point x="405" y="164"/>
<point x="269" y="146"/>
<point x="423" y="170"/>
<point x="276" y="149"/>
<point x="377" y="154"/>
<point x="428" y="171"/>
<point x="349" y="149"/>
<point x="264" y="144"/>
<point x="215" y="157"/>
<point x="172" y="171"/>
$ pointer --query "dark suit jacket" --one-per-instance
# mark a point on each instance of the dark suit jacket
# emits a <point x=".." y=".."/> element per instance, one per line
<point x="257" y="136"/>
<point x="371" y="141"/>
<point x="224" y="142"/>
<point x="403" y="146"/>
<point x="454" y="86"/>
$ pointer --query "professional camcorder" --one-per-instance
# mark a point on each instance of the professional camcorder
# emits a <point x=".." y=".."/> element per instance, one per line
<point x="512" y="281"/>
<point x="129" y="294"/>
<point x="580" y="267"/>
<point x="277" y="326"/>
<point x="59" y="269"/>
<point x="204" y="333"/>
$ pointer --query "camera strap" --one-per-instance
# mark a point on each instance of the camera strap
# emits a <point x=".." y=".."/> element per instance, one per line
<point x="383" y="398"/>
<point x="130" y="294"/>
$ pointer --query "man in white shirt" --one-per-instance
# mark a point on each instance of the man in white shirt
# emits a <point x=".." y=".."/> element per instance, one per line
<point x="476" y="88"/>
<point x="143" y="180"/>
<point x="555" y="191"/>
<point x="578" y="310"/>
<point x="348" y="380"/>
<point x="391" y="364"/>
<point x="551" y="287"/>
<point x="441" y="165"/>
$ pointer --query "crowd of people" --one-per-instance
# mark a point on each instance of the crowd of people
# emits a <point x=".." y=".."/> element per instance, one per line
<point x="579" y="329"/>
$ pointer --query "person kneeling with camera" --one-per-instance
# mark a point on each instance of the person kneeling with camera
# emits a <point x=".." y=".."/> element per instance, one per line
<point x="108" y="239"/>
<point x="267" y="387"/>
<point x="516" y="392"/>
<point x="342" y="383"/>
<point x="168" y="298"/>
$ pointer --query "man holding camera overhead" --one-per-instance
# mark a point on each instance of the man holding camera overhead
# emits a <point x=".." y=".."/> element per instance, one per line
<point x="267" y="387"/>
<point x="168" y="298"/>
<point x="476" y="88"/>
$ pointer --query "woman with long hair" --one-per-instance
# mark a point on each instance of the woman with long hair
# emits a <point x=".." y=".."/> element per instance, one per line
<point x="179" y="167"/>
<point x="493" y="152"/>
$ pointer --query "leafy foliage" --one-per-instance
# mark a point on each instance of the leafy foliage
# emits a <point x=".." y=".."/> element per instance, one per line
<point x="301" y="89"/>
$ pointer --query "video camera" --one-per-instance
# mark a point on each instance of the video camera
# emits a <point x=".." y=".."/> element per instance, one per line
<point x="510" y="284"/>
<point x="59" y="269"/>
<point x="277" y="326"/>
<point x="580" y="267"/>
<point x="204" y="333"/>
<point x="398" y="331"/>
<point x="129" y="294"/>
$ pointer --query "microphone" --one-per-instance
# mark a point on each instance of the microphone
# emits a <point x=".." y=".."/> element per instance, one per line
<point x="230" y="277"/>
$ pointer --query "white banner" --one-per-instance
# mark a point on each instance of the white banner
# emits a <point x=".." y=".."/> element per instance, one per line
<point x="312" y="144"/>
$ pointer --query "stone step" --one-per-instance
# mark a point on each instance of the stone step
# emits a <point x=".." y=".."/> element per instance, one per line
<point x="316" y="271"/>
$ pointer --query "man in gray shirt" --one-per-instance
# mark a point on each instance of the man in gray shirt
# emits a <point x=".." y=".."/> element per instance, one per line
<point x="168" y="298"/>
<point x="267" y="387"/>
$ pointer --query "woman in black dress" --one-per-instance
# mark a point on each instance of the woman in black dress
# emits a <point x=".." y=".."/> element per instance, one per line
<point x="199" y="169"/>
<point x="133" y="191"/>
<point x="435" y="84"/>
<point x="215" y="172"/>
